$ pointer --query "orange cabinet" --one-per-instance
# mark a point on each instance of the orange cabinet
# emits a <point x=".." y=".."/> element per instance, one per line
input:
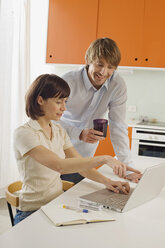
<point x="154" y="35"/>
<point x="138" y="28"/>
<point x="136" y="25"/>
<point x="123" y="22"/>
<point x="71" y="28"/>
<point x="105" y="147"/>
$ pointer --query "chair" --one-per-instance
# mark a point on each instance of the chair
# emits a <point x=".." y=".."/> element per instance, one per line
<point x="12" y="195"/>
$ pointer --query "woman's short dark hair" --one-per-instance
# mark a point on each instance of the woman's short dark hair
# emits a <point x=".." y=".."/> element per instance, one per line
<point x="47" y="86"/>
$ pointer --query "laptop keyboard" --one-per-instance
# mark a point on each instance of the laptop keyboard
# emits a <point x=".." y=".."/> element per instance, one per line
<point x="118" y="203"/>
<point x="105" y="198"/>
<point x="116" y="200"/>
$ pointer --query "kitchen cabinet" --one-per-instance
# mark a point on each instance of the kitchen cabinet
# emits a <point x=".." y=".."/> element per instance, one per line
<point x="123" y="22"/>
<point x="154" y="35"/>
<point x="105" y="147"/>
<point x="137" y="27"/>
<point x="71" y="29"/>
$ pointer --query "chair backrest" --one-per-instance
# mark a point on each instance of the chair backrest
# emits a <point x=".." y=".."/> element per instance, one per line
<point x="67" y="185"/>
<point x="12" y="198"/>
<point x="12" y="195"/>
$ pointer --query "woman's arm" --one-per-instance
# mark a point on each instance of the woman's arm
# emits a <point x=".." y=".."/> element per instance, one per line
<point x="118" y="167"/>
<point x="69" y="165"/>
<point x="77" y="164"/>
<point x="115" y="186"/>
<point x="96" y="176"/>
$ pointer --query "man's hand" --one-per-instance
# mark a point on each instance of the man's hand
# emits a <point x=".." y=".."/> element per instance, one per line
<point x="135" y="176"/>
<point x="91" y="136"/>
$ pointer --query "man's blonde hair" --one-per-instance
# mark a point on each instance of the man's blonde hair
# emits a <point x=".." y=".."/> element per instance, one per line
<point x="103" y="48"/>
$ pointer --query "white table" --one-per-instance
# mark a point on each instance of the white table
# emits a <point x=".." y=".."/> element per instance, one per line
<point x="141" y="227"/>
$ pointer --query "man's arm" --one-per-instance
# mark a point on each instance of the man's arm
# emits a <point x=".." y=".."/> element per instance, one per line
<point x="72" y="131"/>
<point x="119" y="131"/>
<point x="68" y="120"/>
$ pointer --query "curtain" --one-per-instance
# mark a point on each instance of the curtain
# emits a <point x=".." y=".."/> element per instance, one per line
<point x="14" y="80"/>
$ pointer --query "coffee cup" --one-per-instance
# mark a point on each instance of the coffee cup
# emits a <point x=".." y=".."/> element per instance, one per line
<point x="101" y="126"/>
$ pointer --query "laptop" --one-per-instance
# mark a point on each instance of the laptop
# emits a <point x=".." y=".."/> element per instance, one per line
<point x="149" y="186"/>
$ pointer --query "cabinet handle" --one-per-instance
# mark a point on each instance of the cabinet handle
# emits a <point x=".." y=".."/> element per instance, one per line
<point x="50" y="56"/>
<point x="146" y="59"/>
<point x="136" y="59"/>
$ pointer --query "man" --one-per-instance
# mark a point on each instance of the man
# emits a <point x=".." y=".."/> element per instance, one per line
<point x="95" y="89"/>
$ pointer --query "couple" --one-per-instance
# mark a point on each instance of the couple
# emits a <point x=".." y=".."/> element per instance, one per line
<point x="43" y="149"/>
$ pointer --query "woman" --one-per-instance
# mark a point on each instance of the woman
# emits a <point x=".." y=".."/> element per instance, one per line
<point x="43" y="149"/>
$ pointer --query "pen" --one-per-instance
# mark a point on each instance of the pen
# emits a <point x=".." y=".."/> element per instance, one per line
<point x="76" y="209"/>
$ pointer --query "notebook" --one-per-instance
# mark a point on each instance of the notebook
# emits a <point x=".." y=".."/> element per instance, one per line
<point x="149" y="186"/>
<point x="64" y="217"/>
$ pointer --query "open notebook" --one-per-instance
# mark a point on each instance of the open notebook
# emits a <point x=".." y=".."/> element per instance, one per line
<point x="63" y="217"/>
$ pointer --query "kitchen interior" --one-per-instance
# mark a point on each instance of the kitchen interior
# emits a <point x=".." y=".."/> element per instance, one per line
<point x="145" y="85"/>
<point x="141" y="66"/>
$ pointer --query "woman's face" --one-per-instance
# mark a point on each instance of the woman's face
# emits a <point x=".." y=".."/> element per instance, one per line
<point x="53" y="107"/>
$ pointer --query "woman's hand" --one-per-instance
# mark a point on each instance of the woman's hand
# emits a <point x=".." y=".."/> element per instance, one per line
<point x="118" y="167"/>
<point x="117" y="186"/>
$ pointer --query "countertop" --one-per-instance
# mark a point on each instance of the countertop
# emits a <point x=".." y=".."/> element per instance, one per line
<point x="146" y="125"/>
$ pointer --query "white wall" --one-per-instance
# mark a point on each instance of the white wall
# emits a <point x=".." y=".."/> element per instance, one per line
<point x="146" y="88"/>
